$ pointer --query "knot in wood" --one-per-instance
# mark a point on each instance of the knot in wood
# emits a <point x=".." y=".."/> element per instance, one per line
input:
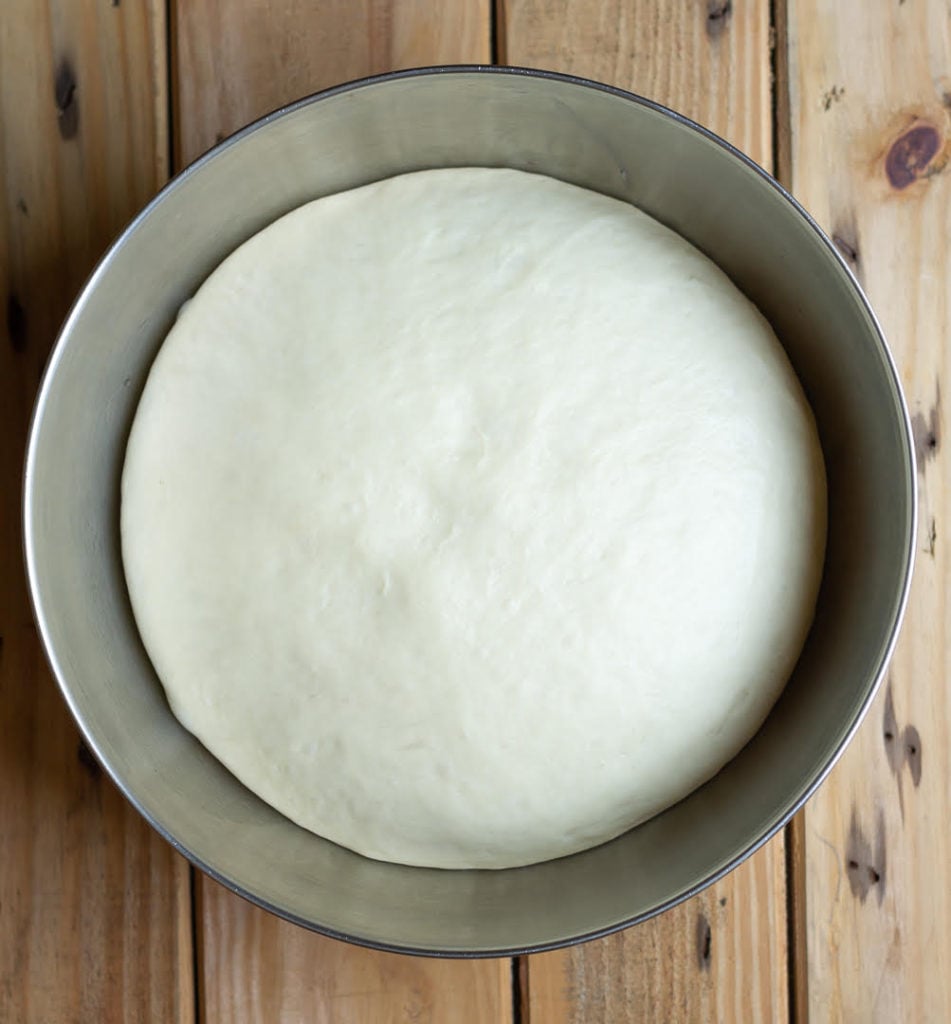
<point x="910" y="154"/>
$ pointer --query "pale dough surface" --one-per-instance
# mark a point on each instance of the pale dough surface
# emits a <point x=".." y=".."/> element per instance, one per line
<point x="471" y="518"/>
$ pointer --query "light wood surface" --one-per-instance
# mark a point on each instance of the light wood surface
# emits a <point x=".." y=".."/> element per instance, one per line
<point x="97" y="915"/>
<point x="256" y="968"/>
<point x="870" y="92"/>
<point x="721" y="956"/>
<point x="94" y="907"/>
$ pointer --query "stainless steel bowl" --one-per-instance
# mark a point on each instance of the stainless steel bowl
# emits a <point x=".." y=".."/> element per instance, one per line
<point x="584" y="133"/>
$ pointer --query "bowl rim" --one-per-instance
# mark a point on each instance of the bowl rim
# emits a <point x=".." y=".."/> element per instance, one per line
<point x="781" y="817"/>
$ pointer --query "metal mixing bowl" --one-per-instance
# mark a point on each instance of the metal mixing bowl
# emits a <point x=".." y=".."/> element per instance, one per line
<point x="584" y="133"/>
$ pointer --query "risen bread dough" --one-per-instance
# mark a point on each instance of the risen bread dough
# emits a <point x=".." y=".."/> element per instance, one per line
<point x="471" y="518"/>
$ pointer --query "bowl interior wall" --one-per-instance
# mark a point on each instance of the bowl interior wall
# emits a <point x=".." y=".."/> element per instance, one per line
<point x="581" y="134"/>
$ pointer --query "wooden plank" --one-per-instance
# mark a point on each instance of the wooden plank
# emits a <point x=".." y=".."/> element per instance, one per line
<point x="718" y="957"/>
<point x="235" y="61"/>
<point x="870" y="94"/>
<point x="708" y="59"/>
<point x="721" y="956"/>
<point x="94" y="908"/>
<point x="256" y="967"/>
<point x="238" y="60"/>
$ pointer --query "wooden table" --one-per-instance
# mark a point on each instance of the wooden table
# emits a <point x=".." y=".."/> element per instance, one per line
<point x="847" y="917"/>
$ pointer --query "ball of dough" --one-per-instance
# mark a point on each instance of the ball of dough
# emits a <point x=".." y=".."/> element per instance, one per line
<point x="471" y="518"/>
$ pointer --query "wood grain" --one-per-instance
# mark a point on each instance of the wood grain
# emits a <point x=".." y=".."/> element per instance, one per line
<point x="237" y="59"/>
<point x="94" y="907"/>
<point x="234" y="61"/>
<point x="869" y="97"/>
<point x="721" y="956"/>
